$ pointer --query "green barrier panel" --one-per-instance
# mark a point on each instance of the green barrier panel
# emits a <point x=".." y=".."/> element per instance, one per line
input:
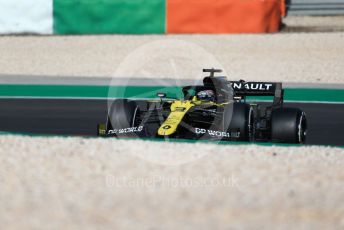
<point x="308" y="94"/>
<point x="71" y="91"/>
<point x="75" y="91"/>
<point x="109" y="16"/>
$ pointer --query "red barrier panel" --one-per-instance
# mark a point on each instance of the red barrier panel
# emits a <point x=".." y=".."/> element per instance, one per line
<point x="224" y="16"/>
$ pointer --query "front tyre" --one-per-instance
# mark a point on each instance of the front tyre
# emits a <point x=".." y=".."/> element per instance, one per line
<point x="122" y="114"/>
<point x="288" y="125"/>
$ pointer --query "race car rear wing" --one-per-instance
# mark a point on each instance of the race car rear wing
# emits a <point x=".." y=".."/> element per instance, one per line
<point x="243" y="89"/>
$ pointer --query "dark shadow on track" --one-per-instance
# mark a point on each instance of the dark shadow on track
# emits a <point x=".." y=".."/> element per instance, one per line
<point x="80" y="117"/>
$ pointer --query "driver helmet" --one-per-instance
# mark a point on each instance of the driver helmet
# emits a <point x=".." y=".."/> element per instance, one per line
<point x="206" y="95"/>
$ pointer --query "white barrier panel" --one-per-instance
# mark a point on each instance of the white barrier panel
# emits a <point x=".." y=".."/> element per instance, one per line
<point x="26" y="16"/>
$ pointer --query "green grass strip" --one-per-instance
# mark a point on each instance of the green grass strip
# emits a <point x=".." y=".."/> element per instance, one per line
<point x="63" y="91"/>
<point x="309" y="94"/>
<point x="149" y="92"/>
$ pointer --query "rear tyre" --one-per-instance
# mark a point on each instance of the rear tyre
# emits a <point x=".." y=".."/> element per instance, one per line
<point x="122" y="114"/>
<point x="241" y="120"/>
<point x="288" y="125"/>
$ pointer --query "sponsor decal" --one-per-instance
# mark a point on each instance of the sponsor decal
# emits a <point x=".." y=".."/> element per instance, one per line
<point x="167" y="127"/>
<point x="215" y="133"/>
<point x="252" y="86"/>
<point x="126" y="130"/>
<point x="180" y="109"/>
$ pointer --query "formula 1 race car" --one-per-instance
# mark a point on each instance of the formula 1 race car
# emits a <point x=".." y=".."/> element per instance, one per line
<point x="216" y="110"/>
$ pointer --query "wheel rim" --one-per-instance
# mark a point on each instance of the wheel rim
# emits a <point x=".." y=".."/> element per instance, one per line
<point x="302" y="128"/>
<point x="250" y="124"/>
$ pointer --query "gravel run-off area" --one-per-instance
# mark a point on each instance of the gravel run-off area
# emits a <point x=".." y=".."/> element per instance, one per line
<point x="288" y="57"/>
<point x="54" y="183"/>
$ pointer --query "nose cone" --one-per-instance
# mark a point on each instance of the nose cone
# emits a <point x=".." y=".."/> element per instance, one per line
<point x="167" y="129"/>
<point x="178" y="111"/>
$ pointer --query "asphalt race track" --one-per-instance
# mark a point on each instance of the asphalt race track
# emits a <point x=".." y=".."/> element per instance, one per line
<point x="80" y="118"/>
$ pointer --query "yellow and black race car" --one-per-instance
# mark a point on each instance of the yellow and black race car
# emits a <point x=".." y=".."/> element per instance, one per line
<point x="216" y="110"/>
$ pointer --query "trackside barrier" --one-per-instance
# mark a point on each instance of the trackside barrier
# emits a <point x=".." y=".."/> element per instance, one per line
<point x="140" y="16"/>
<point x="224" y="16"/>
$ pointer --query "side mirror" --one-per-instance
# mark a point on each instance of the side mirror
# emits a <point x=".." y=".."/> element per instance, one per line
<point x="161" y="95"/>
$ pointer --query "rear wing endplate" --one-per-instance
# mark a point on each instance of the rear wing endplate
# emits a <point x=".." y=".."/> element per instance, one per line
<point x="243" y="89"/>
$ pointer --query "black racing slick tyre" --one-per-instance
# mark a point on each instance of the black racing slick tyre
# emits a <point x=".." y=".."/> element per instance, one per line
<point x="241" y="121"/>
<point x="122" y="114"/>
<point x="288" y="125"/>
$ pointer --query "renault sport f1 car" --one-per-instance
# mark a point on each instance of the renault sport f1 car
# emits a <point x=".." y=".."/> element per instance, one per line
<point x="216" y="110"/>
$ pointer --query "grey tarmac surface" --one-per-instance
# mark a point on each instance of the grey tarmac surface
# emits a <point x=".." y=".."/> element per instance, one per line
<point x="80" y="118"/>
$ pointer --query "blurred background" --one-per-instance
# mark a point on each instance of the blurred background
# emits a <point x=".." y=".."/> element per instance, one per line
<point x="167" y="16"/>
